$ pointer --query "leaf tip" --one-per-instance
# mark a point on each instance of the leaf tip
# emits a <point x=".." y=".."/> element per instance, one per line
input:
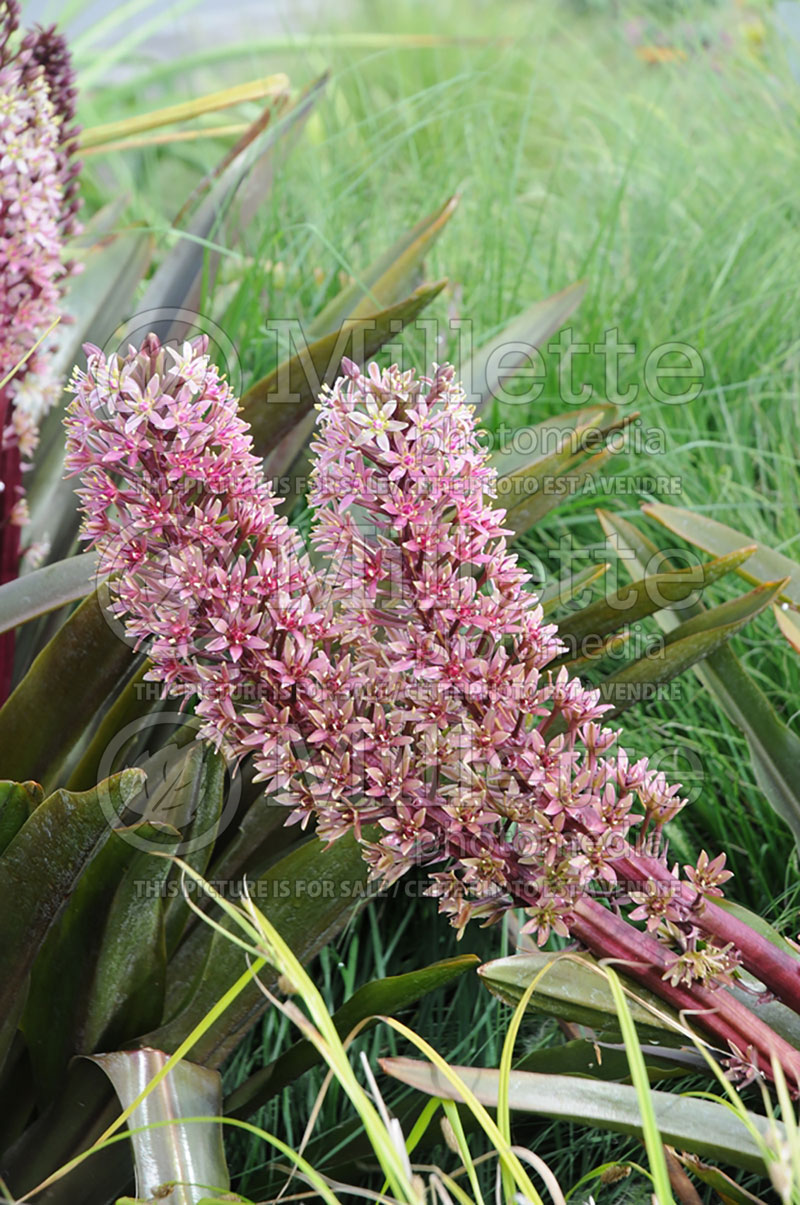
<point x="131" y="782"/>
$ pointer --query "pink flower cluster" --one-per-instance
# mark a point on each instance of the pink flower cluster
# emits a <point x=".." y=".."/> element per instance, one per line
<point x="204" y="570"/>
<point x="469" y="749"/>
<point x="37" y="212"/>
<point x="38" y="207"/>
<point x="399" y="686"/>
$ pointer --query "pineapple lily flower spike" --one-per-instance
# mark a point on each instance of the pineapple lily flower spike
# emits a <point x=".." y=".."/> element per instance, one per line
<point x="38" y="213"/>
<point x="398" y="686"/>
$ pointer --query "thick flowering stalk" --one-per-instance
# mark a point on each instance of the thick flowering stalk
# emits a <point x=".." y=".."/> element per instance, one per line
<point x="37" y="213"/>
<point x="403" y="691"/>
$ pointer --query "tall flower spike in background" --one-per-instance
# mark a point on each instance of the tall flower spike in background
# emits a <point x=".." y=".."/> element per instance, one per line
<point x="405" y="695"/>
<point x="38" y="207"/>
